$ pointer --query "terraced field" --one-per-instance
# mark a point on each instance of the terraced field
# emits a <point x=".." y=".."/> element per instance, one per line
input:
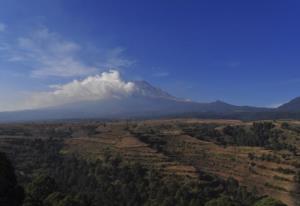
<point x="170" y="147"/>
<point x="121" y="142"/>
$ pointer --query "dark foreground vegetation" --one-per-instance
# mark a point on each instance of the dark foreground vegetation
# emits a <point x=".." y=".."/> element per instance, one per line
<point x="259" y="134"/>
<point x="49" y="177"/>
<point x="10" y="192"/>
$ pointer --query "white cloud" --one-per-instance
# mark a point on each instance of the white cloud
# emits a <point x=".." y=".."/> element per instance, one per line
<point x="2" y="27"/>
<point x="98" y="87"/>
<point x="48" y="54"/>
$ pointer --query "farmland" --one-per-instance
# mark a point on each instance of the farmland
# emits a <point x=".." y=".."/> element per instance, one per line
<point x="189" y="150"/>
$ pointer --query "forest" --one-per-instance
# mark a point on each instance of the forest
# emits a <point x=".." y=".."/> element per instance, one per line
<point x="41" y="172"/>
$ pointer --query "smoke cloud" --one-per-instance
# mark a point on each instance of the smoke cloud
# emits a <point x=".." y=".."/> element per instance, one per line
<point x="99" y="87"/>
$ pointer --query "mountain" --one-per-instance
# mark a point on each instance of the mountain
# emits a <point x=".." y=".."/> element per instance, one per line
<point x="148" y="101"/>
<point x="130" y="107"/>
<point x="292" y="106"/>
<point x="145" y="89"/>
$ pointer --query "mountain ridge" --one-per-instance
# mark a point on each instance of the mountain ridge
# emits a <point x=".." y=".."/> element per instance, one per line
<point x="293" y="105"/>
<point x="145" y="102"/>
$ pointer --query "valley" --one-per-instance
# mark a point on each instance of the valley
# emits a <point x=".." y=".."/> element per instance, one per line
<point x="188" y="149"/>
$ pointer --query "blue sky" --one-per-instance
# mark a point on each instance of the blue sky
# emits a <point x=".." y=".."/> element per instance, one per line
<point x="241" y="52"/>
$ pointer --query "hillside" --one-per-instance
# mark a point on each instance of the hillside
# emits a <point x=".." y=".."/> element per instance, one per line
<point x="145" y="101"/>
<point x="187" y="148"/>
<point x="292" y="106"/>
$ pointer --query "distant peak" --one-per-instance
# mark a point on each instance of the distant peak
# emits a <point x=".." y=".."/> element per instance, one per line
<point x="144" y="88"/>
<point x="293" y="105"/>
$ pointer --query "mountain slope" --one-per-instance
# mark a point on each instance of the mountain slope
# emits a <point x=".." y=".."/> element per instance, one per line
<point x="292" y="106"/>
<point x="145" y="89"/>
<point x="146" y="101"/>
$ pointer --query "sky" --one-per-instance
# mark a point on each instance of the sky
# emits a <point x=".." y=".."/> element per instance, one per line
<point x="241" y="52"/>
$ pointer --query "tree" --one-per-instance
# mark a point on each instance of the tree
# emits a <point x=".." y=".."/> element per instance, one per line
<point x="38" y="191"/>
<point x="53" y="199"/>
<point x="262" y="132"/>
<point x="69" y="201"/>
<point x="221" y="201"/>
<point x="10" y="192"/>
<point x="268" y="201"/>
<point x="285" y="125"/>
